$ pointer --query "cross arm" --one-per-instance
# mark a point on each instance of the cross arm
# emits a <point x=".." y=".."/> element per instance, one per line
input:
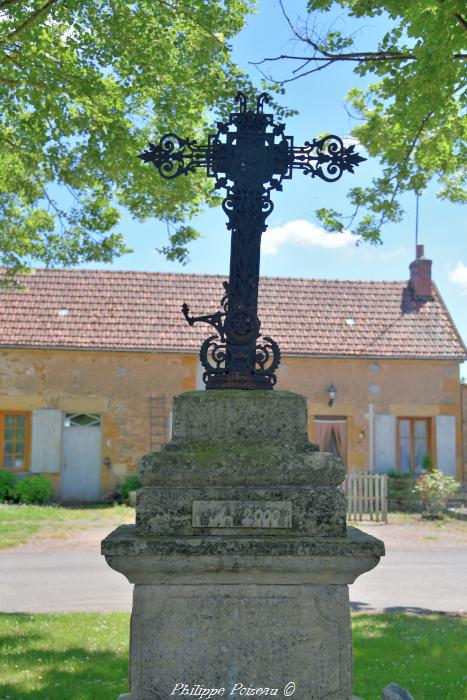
<point x="215" y="319"/>
<point x="327" y="158"/>
<point x="174" y="156"/>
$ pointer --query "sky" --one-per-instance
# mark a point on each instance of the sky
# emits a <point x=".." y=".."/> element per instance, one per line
<point x="294" y="244"/>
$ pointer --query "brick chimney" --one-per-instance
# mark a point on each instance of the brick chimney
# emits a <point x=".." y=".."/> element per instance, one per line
<point x="420" y="276"/>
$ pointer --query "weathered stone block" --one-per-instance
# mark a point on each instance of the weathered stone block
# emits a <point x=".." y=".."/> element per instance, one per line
<point x="240" y="556"/>
<point x="239" y="463"/>
<point x="260" y="416"/>
<point x="166" y="510"/>
<point x="261" y="636"/>
<point x="241" y="559"/>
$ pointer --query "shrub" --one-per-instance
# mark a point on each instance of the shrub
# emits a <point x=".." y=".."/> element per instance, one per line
<point x="434" y="490"/>
<point x="7" y="485"/>
<point x="427" y="463"/>
<point x="401" y="495"/>
<point x="131" y="483"/>
<point x="34" y="489"/>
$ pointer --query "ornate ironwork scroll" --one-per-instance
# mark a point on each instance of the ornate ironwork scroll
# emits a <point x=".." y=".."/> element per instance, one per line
<point x="249" y="156"/>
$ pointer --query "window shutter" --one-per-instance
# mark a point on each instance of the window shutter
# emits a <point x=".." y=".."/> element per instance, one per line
<point x="446" y="444"/>
<point x="46" y="440"/>
<point x="384" y="442"/>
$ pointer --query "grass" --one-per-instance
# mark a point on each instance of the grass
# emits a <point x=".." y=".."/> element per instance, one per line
<point x="83" y="656"/>
<point x="423" y="653"/>
<point x="78" y="656"/>
<point x="18" y="523"/>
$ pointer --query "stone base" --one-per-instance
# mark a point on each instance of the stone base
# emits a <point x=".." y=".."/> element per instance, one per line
<point x="216" y="612"/>
<point x="240" y="556"/>
<point x="260" y="636"/>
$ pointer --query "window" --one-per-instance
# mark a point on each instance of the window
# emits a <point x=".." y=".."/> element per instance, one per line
<point x="331" y="435"/>
<point x="78" y="420"/>
<point x="15" y="430"/>
<point x="414" y="438"/>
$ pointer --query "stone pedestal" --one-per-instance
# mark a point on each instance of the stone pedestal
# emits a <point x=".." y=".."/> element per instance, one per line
<point x="240" y="556"/>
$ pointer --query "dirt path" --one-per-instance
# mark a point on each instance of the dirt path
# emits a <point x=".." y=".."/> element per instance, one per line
<point x="408" y="533"/>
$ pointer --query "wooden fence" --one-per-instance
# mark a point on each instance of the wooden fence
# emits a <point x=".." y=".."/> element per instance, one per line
<point x="367" y="496"/>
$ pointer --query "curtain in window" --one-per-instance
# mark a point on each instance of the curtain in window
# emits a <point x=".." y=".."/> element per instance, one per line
<point x="340" y="434"/>
<point x="331" y="436"/>
<point x="323" y="433"/>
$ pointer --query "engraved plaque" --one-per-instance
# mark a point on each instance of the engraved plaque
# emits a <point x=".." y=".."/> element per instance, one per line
<point x="267" y="514"/>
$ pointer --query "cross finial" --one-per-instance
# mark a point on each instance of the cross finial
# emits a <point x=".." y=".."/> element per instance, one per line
<point x="250" y="157"/>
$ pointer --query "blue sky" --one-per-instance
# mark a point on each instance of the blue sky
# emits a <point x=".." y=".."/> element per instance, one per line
<point x="294" y="245"/>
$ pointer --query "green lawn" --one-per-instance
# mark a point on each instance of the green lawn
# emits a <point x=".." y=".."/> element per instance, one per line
<point x="424" y="653"/>
<point x="83" y="656"/>
<point x="18" y="523"/>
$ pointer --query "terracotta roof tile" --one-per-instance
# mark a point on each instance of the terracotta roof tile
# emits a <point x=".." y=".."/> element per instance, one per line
<point x="141" y="311"/>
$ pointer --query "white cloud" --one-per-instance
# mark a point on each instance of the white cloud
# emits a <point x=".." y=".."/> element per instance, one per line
<point x="402" y="250"/>
<point x="459" y="276"/>
<point x="306" y="235"/>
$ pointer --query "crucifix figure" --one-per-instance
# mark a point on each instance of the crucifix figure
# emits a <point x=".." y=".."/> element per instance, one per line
<point x="249" y="156"/>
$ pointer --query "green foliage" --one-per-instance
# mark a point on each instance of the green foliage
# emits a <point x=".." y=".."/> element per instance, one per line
<point x="7" y="484"/>
<point x="434" y="490"/>
<point x="412" y="113"/>
<point x="178" y="241"/>
<point x="427" y="463"/>
<point x="84" y="86"/>
<point x="394" y="474"/>
<point x="33" y="489"/>
<point x="131" y="483"/>
<point x="401" y="496"/>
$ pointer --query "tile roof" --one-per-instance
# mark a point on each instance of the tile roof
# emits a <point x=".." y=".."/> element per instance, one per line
<point x="141" y="311"/>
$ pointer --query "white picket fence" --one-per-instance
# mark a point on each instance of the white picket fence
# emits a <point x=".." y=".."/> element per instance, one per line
<point x="367" y="496"/>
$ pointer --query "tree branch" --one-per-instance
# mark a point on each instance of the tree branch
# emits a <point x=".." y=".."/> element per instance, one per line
<point x="31" y="19"/>
<point x="8" y="3"/>
<point x="194" y="19"/>
<point x="461" y="20"/>
<point x="8" y="81"/>
<point x="352" y="56"/>
<point x="328" y="59"/>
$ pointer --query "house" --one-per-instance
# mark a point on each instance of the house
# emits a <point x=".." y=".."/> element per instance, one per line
<point x="90" y="361"/>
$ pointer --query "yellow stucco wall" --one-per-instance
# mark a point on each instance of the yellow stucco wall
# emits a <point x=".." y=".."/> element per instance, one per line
<point x="399" y="387"/>
<point x="119" y="385"/>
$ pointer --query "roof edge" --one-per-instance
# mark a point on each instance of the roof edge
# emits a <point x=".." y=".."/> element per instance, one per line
<point x="80" y="348"/>
<point x="450" y="318"/>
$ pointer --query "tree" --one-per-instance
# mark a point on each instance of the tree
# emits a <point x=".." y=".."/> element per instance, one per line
<point x="84" y="85"/>
<point x="413" y="114"/>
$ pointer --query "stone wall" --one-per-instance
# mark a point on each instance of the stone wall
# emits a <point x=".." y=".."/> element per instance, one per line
<point x="133" y="392"/>
<point x="397" y="387"/>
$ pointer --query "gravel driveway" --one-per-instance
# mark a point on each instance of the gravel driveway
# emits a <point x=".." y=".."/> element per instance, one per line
<point x="425" y="568"/>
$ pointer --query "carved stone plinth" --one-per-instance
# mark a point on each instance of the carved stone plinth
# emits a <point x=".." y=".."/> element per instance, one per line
<point x="240" y="556"/>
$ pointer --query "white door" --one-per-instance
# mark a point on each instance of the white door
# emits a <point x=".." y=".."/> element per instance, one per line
<point x="82" y="458"/>
<point x="446" y="444"/>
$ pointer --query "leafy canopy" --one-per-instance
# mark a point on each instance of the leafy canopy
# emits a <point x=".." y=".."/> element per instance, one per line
<point x="412" y="113"/>
<point x="84" y="85"/>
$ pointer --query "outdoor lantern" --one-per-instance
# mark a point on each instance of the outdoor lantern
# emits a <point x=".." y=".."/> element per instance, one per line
<point x="332" y="393"/>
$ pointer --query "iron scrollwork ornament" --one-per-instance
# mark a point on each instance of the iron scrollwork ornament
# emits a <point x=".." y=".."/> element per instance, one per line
<point x="249" y="156"/>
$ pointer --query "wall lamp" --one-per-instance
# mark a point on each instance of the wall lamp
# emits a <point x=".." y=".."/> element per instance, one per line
<point x="332" y="393"/>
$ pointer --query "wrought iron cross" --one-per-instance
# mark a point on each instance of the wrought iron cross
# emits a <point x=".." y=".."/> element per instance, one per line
<point x="249" y="156"/>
